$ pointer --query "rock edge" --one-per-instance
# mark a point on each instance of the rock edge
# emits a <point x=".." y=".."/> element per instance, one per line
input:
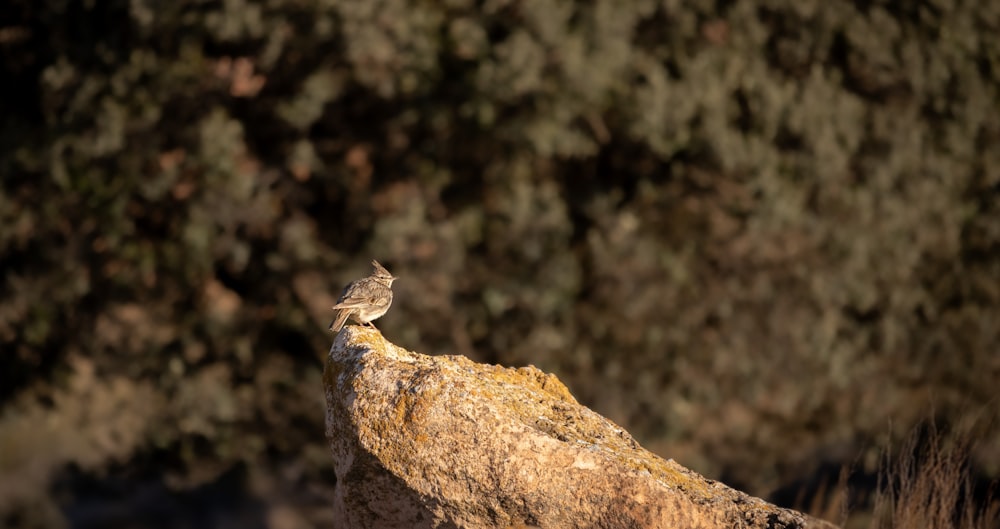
<point x="440" y="441"/>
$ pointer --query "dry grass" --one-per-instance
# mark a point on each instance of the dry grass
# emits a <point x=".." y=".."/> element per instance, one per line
<point x="831" y="501"/>
<point x="929" y="486"/>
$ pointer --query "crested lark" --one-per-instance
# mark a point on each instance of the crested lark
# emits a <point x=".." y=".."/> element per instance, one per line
<point x="365" y="299"/>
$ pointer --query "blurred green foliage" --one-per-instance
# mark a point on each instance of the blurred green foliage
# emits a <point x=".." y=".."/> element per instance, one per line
<point x="755" y="233"/>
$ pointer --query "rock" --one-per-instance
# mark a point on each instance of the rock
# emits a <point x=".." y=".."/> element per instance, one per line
<point x="440" y="441"/>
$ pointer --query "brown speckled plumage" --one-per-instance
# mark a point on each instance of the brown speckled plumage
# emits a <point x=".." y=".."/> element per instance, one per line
<point x="365" y="299"/>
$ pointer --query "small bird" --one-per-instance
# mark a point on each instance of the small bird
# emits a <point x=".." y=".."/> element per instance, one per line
<point x="365" y="299"/>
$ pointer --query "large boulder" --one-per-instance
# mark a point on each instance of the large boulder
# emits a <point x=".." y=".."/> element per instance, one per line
<point x="441" y="441"/>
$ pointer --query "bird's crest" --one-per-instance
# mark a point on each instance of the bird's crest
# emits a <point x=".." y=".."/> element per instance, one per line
<point x="380" y="272"/>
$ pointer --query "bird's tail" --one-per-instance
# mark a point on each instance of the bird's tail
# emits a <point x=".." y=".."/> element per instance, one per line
<point x="339" y="320"/>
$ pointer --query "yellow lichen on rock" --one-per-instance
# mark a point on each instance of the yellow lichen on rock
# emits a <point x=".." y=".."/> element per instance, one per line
<point x="423" y="441"/>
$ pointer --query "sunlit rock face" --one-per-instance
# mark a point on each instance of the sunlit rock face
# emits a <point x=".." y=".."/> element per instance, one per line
<point x="440" y="441"/>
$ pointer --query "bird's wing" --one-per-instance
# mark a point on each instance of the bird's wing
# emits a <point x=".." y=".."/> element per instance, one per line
<point x="353" y="297"/>
<point x="353" y="303"/>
